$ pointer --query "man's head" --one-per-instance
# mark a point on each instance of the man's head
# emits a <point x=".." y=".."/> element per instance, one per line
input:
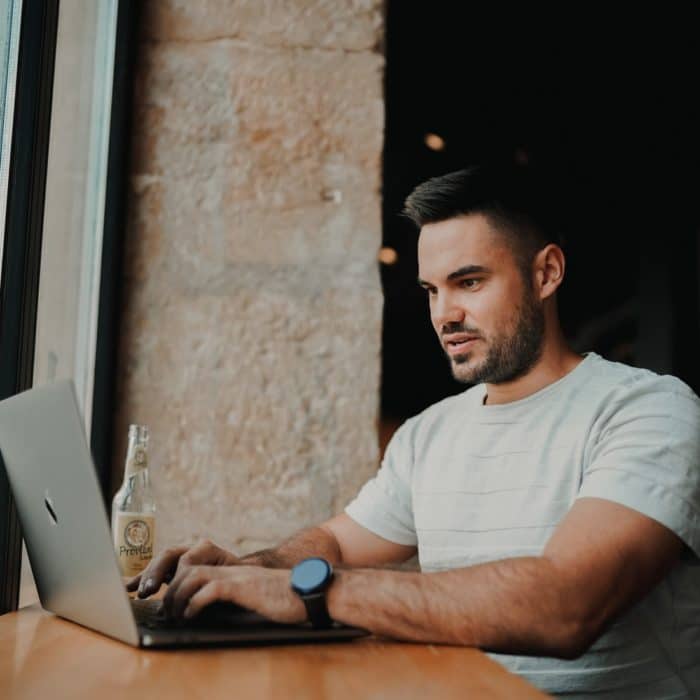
<point x="490" y="259"/>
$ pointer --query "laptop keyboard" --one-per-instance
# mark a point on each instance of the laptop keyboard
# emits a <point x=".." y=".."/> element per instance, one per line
<point x="149" y="613"/>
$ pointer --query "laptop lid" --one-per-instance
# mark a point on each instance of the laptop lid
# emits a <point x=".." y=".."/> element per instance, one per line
<point x="60" y="507"/>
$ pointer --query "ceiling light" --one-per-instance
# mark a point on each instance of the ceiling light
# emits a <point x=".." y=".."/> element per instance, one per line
<point x="435" y="142"/>
<point x="387" y="256"/>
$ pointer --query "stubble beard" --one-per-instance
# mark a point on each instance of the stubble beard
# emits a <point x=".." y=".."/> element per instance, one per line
<point x="508" y="356"/>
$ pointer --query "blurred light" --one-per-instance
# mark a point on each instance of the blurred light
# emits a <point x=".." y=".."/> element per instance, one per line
<point x="387" y="256"/>
<point x="434" y="142"/>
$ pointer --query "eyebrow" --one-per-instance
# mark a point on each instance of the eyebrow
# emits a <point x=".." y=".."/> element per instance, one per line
<point x="461" y="272"/>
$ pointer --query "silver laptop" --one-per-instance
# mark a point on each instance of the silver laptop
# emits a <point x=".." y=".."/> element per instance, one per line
<point x="68" y="540"/>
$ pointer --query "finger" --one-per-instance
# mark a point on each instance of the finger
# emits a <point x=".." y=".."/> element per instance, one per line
<point x="196" y="578"/>
<point x="187" y="578"/>
<point x="209" y="554"/>
<point x="159" y="570"/>
<point x="208" y="594"/>
<point x="203" y="553"/>
<point x="173" y="586"/>
<point x="133" y="583"/>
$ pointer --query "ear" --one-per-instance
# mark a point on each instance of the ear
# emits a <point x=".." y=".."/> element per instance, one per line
<point x="548" y="270"/>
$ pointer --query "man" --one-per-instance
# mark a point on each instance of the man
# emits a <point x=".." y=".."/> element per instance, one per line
<point x="554" y="505"/>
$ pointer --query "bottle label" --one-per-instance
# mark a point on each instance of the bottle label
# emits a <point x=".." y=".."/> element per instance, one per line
<point x="134" y="537"/>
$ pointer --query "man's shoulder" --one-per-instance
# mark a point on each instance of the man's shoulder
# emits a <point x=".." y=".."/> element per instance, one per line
<point x="619" y="397"/>
<point x="620" y="381"/>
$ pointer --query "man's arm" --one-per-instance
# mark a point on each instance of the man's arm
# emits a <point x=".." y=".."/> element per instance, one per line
<point x="311" y="542"/>
<point x="602" y="559"/>
<point x="340" y="540"/>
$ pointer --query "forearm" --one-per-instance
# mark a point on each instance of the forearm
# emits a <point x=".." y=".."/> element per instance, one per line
<point x="311" y="542"/>
<point x="508" y="606"/>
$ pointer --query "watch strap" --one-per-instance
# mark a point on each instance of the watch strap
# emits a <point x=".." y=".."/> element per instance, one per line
<point x="317" y="610"/>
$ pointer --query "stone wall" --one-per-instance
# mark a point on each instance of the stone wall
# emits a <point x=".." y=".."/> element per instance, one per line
<point x="251" y="325"/>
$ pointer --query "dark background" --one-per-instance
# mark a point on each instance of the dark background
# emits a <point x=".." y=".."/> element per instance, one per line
<point x="613" y="119"/>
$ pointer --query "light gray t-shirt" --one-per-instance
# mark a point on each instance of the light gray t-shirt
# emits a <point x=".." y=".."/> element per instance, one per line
<point x="469" y="483"/>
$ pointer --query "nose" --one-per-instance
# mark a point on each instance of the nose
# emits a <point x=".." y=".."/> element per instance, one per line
<point x="446" y="311"/>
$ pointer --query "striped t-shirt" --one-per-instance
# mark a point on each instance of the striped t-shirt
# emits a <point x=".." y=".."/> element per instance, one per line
<point x="469" y="483"/>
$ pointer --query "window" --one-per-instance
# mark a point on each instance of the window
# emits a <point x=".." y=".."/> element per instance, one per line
<point x="61" y="185"/>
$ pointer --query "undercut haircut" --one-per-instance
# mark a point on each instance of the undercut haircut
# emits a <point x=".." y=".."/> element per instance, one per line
<point x="517" y="202"/>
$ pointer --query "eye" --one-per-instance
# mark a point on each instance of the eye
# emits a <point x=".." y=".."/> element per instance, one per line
<point x="469" y="283"/>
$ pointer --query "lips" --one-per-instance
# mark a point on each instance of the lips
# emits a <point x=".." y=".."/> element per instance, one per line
<point x="457" y="339"/>
<point x="458" y="342"/>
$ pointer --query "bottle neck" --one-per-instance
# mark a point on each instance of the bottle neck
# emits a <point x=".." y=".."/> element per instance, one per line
<point x="136" y="460"/>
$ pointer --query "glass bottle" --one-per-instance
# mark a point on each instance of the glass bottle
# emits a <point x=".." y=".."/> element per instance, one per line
<point x="134" y="508"/>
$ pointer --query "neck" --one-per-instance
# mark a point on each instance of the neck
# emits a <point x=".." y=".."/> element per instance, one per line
<point x="556" y="361"/>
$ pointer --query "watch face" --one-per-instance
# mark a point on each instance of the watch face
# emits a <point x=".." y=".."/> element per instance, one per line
<point x="309" y="575"/>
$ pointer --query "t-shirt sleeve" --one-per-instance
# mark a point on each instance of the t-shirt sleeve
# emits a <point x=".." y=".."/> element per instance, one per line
<point x="646" y="455"/>
<point x="384" y="504"/>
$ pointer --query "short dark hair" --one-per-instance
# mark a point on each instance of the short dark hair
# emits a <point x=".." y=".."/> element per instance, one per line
<point x="517" y="201"/>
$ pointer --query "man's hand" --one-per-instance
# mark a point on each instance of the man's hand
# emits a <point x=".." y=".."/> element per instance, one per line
<point x="164" y="567"/>
<point x="266" y="591"/>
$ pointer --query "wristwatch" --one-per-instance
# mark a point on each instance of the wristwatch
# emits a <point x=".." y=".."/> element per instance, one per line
<point x="310" y="580"/>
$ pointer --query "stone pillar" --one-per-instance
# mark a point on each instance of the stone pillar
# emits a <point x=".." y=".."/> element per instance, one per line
<point x="251" y="325"/>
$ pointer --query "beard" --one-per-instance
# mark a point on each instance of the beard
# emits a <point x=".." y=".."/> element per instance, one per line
<point x="509" y="355"/>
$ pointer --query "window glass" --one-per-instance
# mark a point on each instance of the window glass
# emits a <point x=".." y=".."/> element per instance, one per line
<point x="10" y="14"/>
<point x="74" y="209"/>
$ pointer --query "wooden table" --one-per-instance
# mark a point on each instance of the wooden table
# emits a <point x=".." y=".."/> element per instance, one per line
<point x="45" y="658"/>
